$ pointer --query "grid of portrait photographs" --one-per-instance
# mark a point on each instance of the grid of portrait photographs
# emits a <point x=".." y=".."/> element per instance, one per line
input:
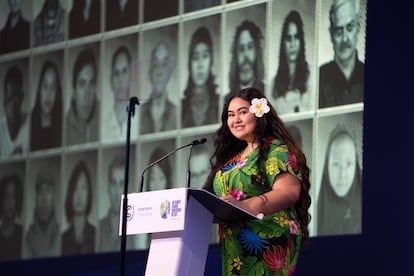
<point x="68" y="70"/>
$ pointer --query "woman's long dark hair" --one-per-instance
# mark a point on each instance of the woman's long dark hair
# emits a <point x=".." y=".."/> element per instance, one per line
<point x="270" y="125"/>
<point x="201" y="35"/>
<point x="56" y="113"/>
<point x="336" y="214"/>
<point x="81" y="168"/>
<point x="257" y="36"/>
<point x="282" y="80"/>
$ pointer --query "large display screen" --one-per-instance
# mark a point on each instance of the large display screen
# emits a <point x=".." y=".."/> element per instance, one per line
<point x="69" y="68"/>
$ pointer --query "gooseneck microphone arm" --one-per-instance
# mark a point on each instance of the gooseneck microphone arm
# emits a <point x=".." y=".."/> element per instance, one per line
<point x="192" y="144"/>
<point x="131" y="112"/>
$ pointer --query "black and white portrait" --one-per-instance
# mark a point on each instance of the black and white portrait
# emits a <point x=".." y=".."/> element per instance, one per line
<point x="199" y="105"/>
<point x="293" y="46"/>
<point x="47" y="102"/>
<point x="341" y="52"/>
<point x="339" y="175"/>
<point x="79" y="204"/>
<point x="82" y="102"/>
<point x="42" y="206"/>
<point x="14" y="97"/>
<point x="159" y="97"/>
<point x="245" y="29"/>
<point x="119" y="70"/>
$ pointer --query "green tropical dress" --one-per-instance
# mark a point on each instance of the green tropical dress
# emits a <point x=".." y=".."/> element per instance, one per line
<point x="259" y="247"/>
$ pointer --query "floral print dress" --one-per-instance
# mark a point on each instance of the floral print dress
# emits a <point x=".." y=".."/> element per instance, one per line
<point x="259" y="247"/>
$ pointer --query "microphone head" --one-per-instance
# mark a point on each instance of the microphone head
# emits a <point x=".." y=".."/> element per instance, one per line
<point x="198" y="142"/>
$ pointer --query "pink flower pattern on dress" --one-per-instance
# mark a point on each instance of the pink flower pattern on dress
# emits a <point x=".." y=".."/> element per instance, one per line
<point x="238" y="194"/>
<point x="293" y="227"/>
<point x="292" y="162"/>
<point x="241" y="163"/>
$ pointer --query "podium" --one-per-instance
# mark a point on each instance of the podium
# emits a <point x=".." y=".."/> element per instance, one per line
<point x="180" y="221"/>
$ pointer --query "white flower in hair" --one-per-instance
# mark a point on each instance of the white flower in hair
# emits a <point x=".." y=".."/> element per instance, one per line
<point x="259" y="107"/>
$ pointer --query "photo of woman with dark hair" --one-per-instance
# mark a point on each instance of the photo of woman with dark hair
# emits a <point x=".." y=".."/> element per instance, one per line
<point x="200" y="103"/>
<point x="340" y="194"/>
<point x="290" y="88"/>
<point x="79" y="238"/>
<point x="46" y="119"/>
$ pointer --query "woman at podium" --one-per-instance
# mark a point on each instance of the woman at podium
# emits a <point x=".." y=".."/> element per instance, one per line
<point x="258" y="166"/>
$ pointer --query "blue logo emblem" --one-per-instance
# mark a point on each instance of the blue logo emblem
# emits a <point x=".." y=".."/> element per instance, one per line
<point x="130" y="212"/>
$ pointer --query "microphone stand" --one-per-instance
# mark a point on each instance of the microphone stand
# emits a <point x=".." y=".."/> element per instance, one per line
<point x="188" y="174"/>
<point x="131" y="112"/>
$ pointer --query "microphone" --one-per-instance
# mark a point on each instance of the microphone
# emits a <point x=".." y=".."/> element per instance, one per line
<point x="192" y="144"/>
<point x="188" y="174"/>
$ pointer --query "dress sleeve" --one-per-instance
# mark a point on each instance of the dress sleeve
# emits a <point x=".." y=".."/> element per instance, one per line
<point x="280" y="160"/>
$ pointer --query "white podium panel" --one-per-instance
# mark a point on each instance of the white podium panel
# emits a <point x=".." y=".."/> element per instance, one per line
<point x="156" y="211"/>
<point x="180" y="221"/>
<point x="182" y="252"/>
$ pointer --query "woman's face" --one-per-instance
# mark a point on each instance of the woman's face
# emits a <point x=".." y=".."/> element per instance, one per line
<point x="85" y="92"/>
<point x="240" y="120"/>
<point x="292" y="42"/>
<point x="48" y="90"/>
<point x="157" y="180"/>
<point x="80" y="195"/>
<point x="200" y="64"/>
<point x="342" y="163"/>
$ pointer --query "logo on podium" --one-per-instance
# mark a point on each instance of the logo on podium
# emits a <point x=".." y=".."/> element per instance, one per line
<point x="165" y="209"/>
<point x="130" y="212"/>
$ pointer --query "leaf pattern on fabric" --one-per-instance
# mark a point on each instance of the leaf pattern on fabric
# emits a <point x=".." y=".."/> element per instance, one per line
<point x="259" y="247"/>
<point x="252" y="242"/>
<point x="252" y="267"/>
